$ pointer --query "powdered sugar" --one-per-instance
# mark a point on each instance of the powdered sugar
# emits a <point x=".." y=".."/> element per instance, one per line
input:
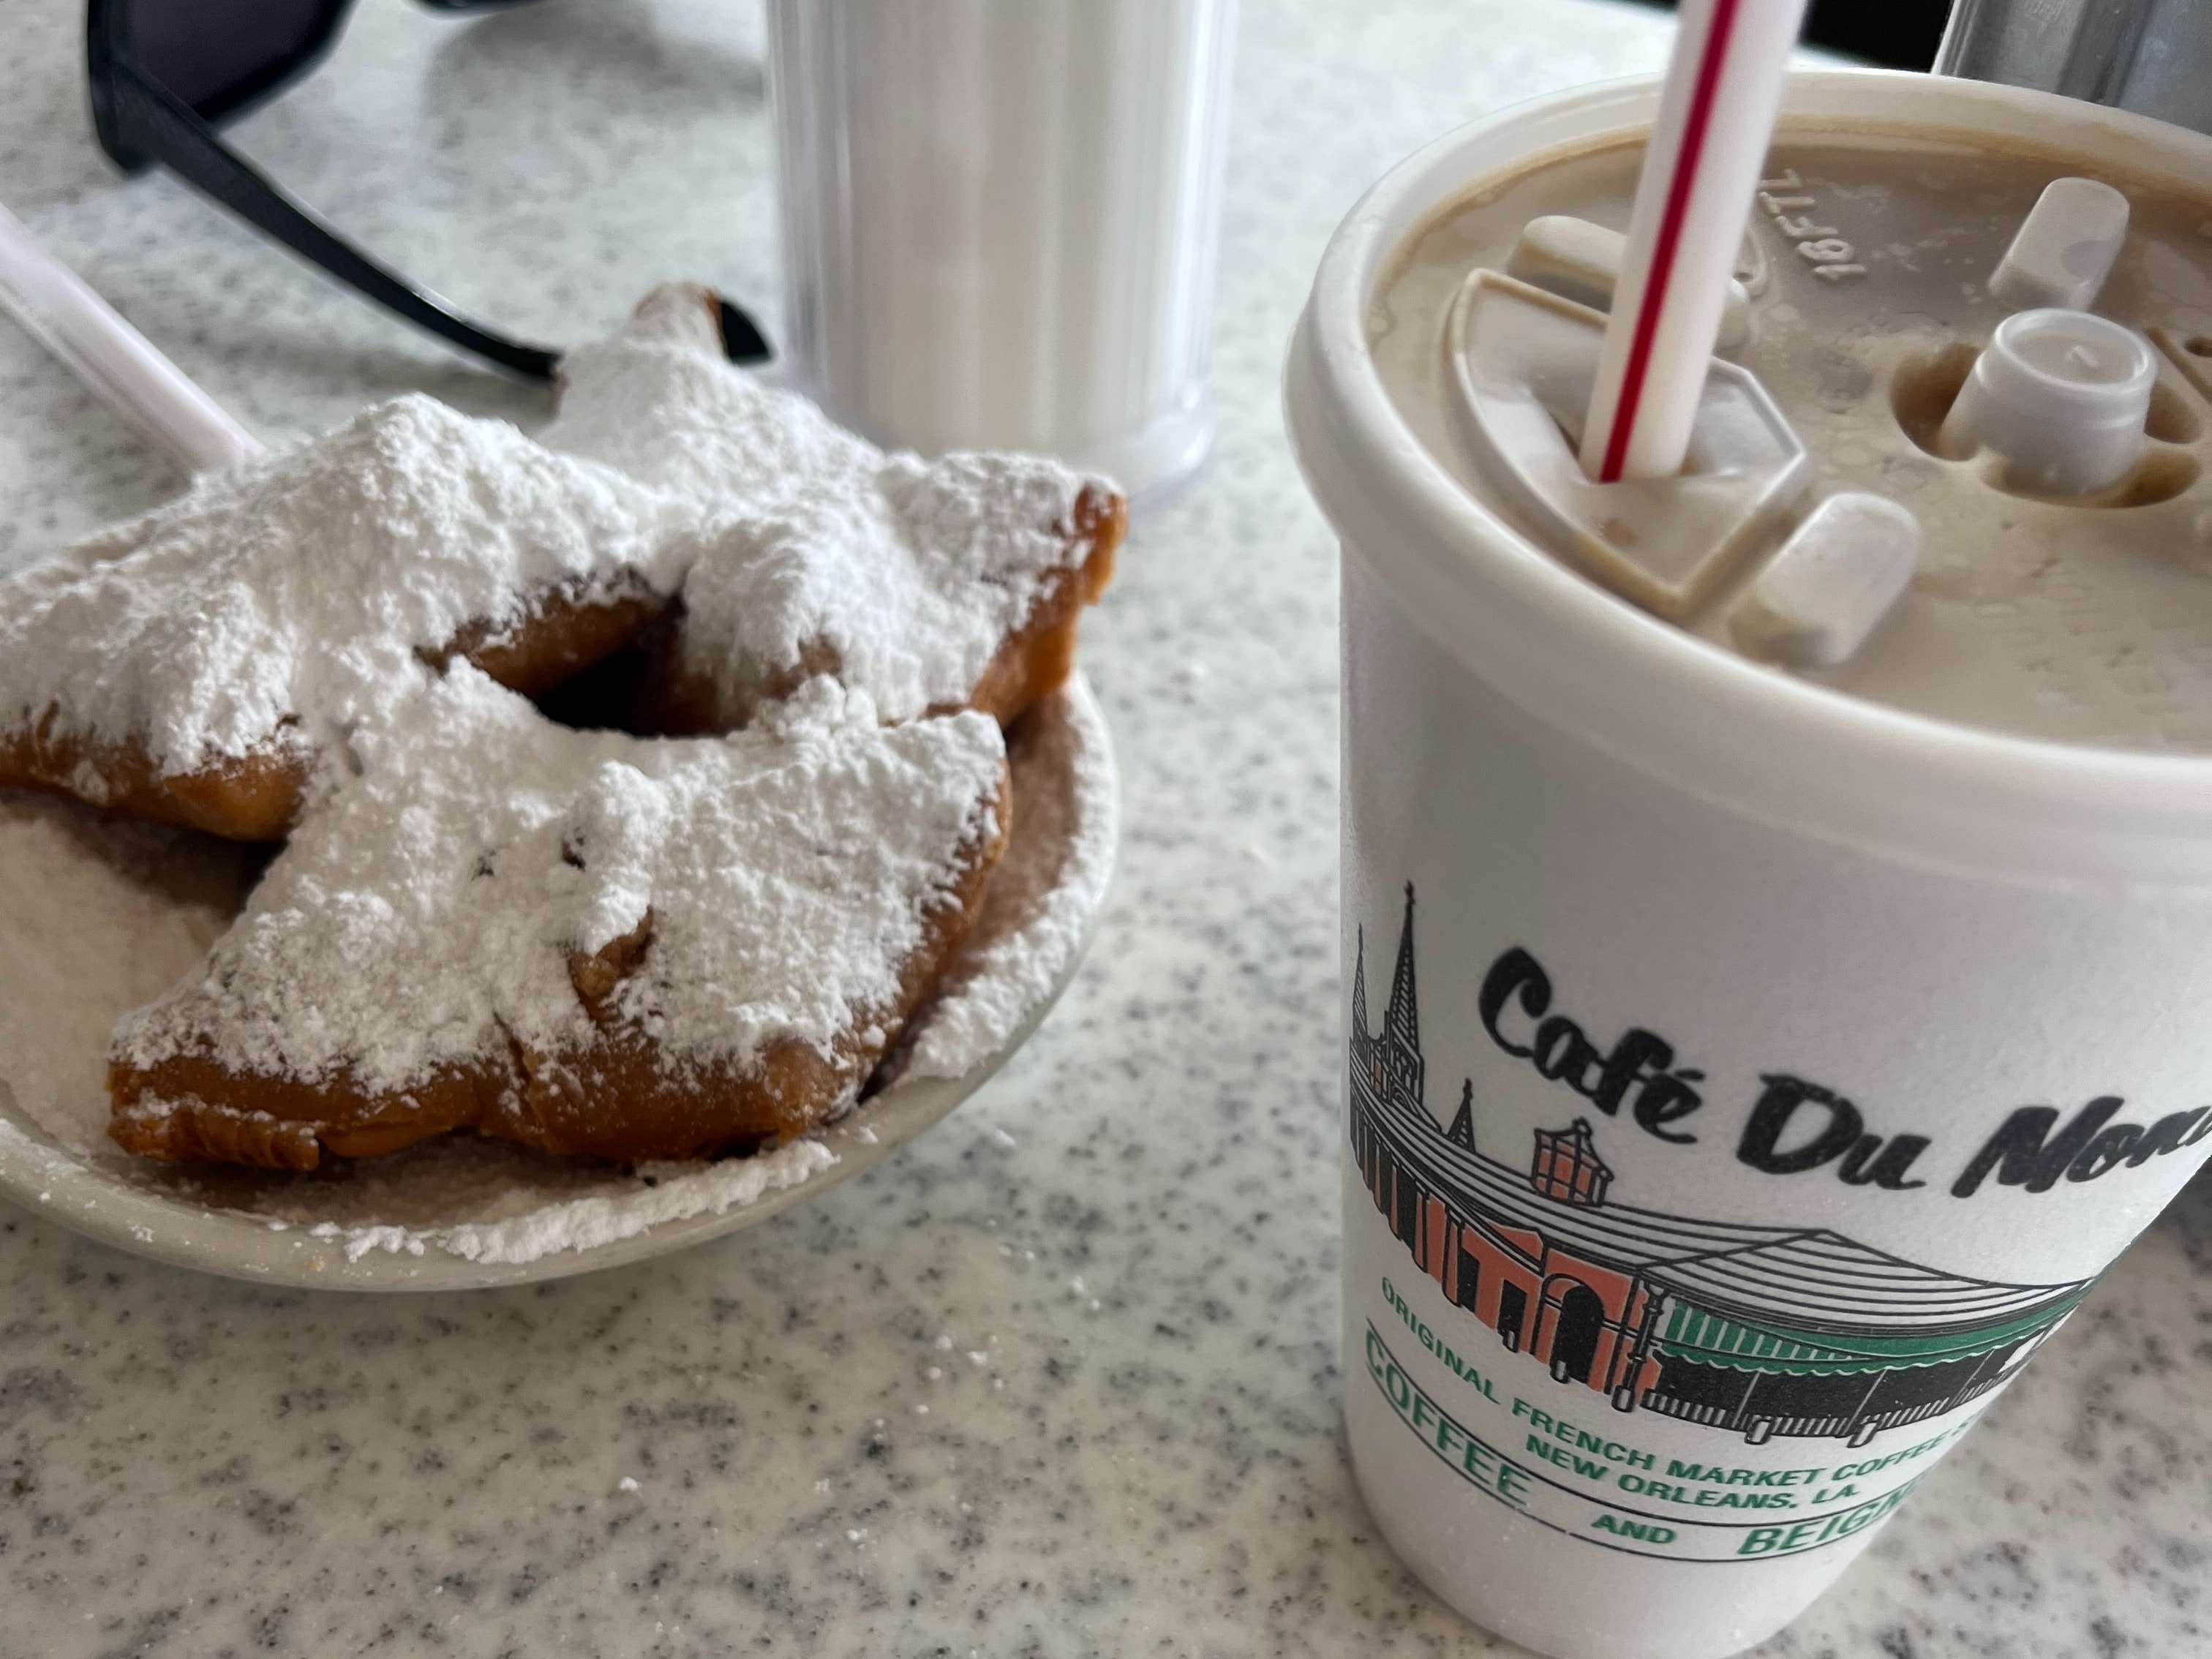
<point x="427" y="910"/>
<point x="675" y="1192"/>
<point x="1043" y="894"/>
<point x="278" y="605"/>
<point x="810" y="545"/>
<point x="290" y="598"/>
<point x="428" y="913"/>
<point x="96" y="917"/>
<point x="658" y="400"/>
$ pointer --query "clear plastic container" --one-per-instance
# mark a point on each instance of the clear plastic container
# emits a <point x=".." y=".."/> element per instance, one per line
<point x="1000" y="221"/>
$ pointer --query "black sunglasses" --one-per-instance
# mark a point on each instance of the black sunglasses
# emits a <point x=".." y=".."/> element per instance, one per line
<point x="166" y="73"/>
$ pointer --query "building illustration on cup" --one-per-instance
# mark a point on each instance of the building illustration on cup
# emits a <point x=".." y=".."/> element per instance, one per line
<point x="1757" y="1330"/>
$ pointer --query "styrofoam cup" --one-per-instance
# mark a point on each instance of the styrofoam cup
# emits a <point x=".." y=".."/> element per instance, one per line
<point x="1743" y="1079"/>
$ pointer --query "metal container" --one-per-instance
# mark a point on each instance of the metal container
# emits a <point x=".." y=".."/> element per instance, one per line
<point x="2154" y="56"/>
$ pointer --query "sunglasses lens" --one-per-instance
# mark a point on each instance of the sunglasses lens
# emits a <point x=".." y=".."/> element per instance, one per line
<point x="218" y="54"/>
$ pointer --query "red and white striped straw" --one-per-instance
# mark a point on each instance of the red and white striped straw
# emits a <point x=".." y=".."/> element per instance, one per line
<point x="1693" y="200"/>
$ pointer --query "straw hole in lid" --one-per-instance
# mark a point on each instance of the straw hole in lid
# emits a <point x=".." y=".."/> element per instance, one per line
<point x="1923" y="390"/>
<point x="2198" y="345"/>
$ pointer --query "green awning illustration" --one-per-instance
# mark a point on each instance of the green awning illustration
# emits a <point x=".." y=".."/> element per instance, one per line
<point x="1710" y="1338"/>
<point x="1682" y="1314"/>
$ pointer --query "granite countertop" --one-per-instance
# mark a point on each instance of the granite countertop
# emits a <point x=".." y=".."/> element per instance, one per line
<point x="1061" y="1377"/>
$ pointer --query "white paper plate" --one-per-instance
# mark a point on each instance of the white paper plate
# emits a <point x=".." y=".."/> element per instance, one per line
<point x="137" y="905"/>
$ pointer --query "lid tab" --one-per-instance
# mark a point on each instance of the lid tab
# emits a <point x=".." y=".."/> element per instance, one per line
<point x="1833" y="581"/>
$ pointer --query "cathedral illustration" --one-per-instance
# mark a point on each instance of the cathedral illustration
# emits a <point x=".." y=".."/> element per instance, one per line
<point x="1756" y="1330"/>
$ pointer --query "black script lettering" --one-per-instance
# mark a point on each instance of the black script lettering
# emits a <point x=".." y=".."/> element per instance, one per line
<point x="1886" y="1171"/>
<point x="1760" y="1147"/>
<point x="2021" y="1155"/>
<point x="2170" y="1133"/>
<point x="1639" y="1054"/>
<point x="1565" y="1055"/>
<point x="2106" y="1153"/>
<point x="1515" y="975"/>
<point x="1665" y="1098"/>
<point x="1560" y="1049"/>
<point x="1853" y="1172"/>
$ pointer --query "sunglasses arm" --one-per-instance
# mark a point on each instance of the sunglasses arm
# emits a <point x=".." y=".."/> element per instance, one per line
<point x="159" y="126"/>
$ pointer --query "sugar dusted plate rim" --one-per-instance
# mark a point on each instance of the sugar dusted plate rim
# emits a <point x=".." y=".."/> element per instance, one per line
<point x="49" y="1179"/>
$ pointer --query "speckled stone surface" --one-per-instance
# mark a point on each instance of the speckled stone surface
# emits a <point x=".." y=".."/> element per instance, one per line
<point x="1061" y="1377"/>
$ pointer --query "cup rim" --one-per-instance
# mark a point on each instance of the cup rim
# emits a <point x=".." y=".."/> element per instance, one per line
<point x="1763" y="744"/>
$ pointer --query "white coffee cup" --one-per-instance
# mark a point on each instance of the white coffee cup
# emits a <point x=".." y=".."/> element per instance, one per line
<point x="999" y="221"/>
<point x="1645" y="948"/>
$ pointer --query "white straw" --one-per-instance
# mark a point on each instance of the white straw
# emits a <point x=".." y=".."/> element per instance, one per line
<point x="1701" y="165"/>
<point x="113" y="359"/>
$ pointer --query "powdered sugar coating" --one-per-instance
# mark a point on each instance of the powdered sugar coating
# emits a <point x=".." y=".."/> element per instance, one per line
<point x="419" y="519"/>
<point x="658" y="399"/>
<point x="810" y="545"/>
<point x="291" y="597"/>
<point x="428" y="912"/>
<point x="1043" y="894"/>
<point x="679" y="1192"/>
<point x="98" y="915"/>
